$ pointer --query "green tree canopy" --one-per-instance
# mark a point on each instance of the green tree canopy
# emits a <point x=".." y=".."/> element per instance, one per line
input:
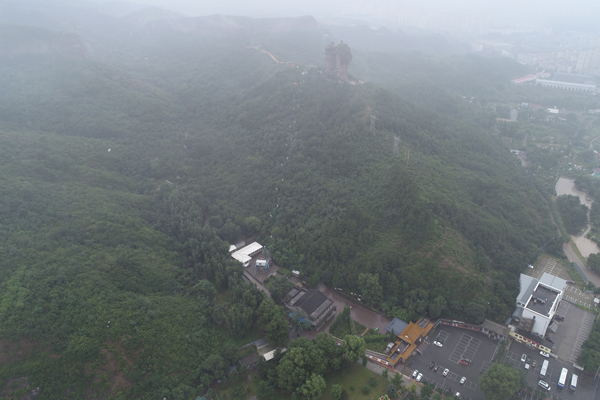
<point x="336" y="392"/>
<point x="500" y="382"/>
<point x="313" y="387"/>
<point x="353" y="347"/>
<point x="370" y="288"/>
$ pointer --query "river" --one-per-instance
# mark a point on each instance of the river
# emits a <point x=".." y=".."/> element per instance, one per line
<point x="585" y="245"/>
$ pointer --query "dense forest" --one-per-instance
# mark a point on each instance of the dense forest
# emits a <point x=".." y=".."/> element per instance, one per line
<point x="129" y="162"/>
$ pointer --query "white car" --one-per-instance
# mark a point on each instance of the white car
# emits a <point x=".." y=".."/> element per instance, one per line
<point x="438" y="344"/>
<point x="445" y="373"/>
<point x="415" y="373"/>
<point x="544" y="354"/>
<point x="524" y="357"/>
<point x="457" y="394"/>
<point x="544" y="385"/>
<point x="526" y="366"/>
<point x="419" y="377"/>
<point x="463" y="380"/>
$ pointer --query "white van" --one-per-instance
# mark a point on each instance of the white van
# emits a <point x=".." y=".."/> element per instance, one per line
<point x="544" y="384"/>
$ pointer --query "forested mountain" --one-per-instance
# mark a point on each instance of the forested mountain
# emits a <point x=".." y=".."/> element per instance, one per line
<point x="128" y="160"/>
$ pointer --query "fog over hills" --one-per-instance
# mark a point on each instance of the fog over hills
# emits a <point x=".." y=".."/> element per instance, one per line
<point x="138" y="143"/>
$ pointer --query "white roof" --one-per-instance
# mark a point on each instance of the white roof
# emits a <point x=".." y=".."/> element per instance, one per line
<point x="232" y="248"/>
<point x="241" y="257"/>
<point x="553" y="281"/>
<point x="269" y="356"/>
<point x="251" y="248"/>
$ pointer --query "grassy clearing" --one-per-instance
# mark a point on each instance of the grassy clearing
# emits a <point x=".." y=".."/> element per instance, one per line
<point x="354" y="375"/>
<point x="379" y="347"/>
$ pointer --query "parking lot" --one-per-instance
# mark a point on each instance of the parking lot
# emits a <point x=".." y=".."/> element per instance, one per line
<point x="572" y="332"/>
<point x="586" y="388"/>
<point x="457" y="344"/>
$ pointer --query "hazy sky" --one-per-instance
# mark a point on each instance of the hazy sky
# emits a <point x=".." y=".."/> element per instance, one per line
<point x="454" y="14"/>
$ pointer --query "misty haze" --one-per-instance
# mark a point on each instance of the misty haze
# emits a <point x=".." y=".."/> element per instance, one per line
<point x="267" y="200"/>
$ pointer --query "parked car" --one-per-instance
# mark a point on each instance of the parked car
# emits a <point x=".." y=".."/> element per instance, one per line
<point x="419" y="377"/>
<point x="524" y="357"/>
<point x="544" y="384"/>
<point x="457" y="394"/>
<point x="534" y="363"/>
<point x="438" y="344"/>
<point x="415" y="373"/>
<point x="431" y="365"/>
<point x="436" y="368"/>
<point x="463" y="380"/>
<point x="445" y="373"/>
<point x="526" y="366"/>
<point x="544" y="354"/>
<point x="464" y="362"/>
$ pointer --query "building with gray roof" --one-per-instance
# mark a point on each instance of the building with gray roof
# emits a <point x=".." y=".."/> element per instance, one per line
<point x="312" y="303"/>
<point x="538" y="301"/>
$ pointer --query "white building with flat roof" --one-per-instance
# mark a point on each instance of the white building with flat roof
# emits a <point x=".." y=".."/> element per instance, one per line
<point x="538" y="301"/>
<point x="245" y="254"/>
<point x="577" y="87"/>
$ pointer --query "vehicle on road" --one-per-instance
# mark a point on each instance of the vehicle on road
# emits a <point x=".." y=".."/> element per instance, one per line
<point x="463" y="380"/>
<point x="563" y="378"/>
<point x="524" y="357"/>
<point x="544" y="354"/>
<point x="544" y="368"/>
<point x="436" y="368"/>
<point x="573" y="385"/>
<point x="464" y="362"/>
<point x="415" y="373"/>
<point x="438" y="344"/>
<point x="431" y="365"/>
<point x="544" y="385"/>
<point x="419" y="377"/>
<point x="445" y="373"/>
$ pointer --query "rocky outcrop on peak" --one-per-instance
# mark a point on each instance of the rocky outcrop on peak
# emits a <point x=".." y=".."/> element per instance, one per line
<point x="337" y="60"/>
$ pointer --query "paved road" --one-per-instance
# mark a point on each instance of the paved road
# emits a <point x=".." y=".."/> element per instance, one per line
<point x="257" y="282"/>
<point x="594" y="278"/>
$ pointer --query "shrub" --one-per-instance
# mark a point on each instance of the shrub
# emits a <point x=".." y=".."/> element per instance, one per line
<point x="366" y="389"/>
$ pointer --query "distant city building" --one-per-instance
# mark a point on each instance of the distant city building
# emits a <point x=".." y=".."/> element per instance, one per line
<point x="573" y="78"/>
<point x="578" y="87"/>
<point x="524" y="79"/>
<point x="588" y="61"/>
